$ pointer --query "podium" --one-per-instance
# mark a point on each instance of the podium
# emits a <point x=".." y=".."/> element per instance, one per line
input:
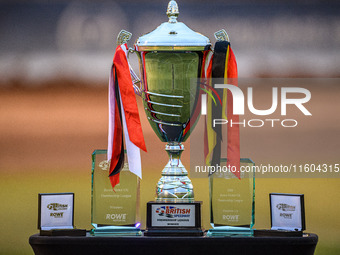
<point x="155" y="245"/>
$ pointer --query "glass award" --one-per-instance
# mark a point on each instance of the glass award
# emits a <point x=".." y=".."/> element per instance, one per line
<point x="232" y="200"/>
<point x="113" y="212"/>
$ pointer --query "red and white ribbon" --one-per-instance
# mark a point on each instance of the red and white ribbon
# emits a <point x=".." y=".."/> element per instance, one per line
<point x="123" y="119"/>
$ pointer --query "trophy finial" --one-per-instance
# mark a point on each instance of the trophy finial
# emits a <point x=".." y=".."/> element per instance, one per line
<point x="172" y="11"/>
<point x="221" y="35"/>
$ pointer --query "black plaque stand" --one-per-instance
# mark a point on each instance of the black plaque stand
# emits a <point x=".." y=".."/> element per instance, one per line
<point x="175" y="218"/>
<point x="63" y="232"/>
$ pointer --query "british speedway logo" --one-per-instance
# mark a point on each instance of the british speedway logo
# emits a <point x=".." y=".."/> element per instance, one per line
<point x="285" y="207"/>
<point x="57" y="206"/>
<point x="173" y="212"/>
<point x="104" y="165"/>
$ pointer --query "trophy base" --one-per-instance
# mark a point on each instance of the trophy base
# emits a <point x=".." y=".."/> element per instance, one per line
<point x="115" y="231"/>
<point x="230" y="231"/>
<point x="173" y="232"/>
<point x="173" y="219"/>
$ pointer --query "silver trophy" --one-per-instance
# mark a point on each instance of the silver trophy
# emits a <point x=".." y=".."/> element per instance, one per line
<point x="170" y="60"/>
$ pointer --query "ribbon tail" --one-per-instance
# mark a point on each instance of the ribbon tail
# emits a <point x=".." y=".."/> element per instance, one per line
<point x="218" y="71"/>
<point x="123" y="119"/>
<point x="111" y="100"/>
<point x="128" y="98"/>
<point x="133" y="152"/>
<point x="117" y="147"/>
<point x="233" y="150"/>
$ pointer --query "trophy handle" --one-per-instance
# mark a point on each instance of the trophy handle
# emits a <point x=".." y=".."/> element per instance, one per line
<point x="122" y="38"/>
<point x="221" y="35"/>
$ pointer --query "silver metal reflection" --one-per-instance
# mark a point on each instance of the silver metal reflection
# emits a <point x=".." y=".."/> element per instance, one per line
<point x="175" y="185"/>
<point x="172" y="11"/>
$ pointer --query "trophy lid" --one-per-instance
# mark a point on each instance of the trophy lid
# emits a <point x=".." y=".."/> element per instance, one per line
<point x="172" y="35"/>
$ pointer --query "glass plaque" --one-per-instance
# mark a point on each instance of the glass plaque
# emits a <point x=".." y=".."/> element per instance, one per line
<point x="114" y="212"/>
<point x="232" y="200"/>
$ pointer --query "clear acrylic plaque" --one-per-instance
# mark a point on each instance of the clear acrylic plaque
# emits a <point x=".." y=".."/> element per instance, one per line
<point x="113" y="212"/>
<point x="232" y="201"/>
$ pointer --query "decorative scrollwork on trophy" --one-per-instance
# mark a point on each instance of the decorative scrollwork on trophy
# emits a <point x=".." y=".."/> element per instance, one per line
<point x="123" y="37"/>
<point x="221" y="35"/>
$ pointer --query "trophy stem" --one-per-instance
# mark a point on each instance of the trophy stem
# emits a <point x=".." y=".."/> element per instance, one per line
<point x="174" y="185"/>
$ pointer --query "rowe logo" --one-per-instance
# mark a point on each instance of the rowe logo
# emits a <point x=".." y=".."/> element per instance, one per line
<point x="116" y="216"/>
<point x="286" y="215"/>
<point x="57" y="215"/>
<point x="231" y="217"/>
<point x="173" y="212"/>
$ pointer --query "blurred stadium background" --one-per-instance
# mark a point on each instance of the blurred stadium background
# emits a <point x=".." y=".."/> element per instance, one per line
<point x="75" y="39"/>
<point x="55" y="58"/>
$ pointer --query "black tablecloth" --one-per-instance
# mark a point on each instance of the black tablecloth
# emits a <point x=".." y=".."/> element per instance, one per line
<point x="136" y="245"/>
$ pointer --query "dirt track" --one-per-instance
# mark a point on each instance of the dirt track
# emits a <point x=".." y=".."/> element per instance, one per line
<point x="53" y="128"/>
<point x="59" y="126"/>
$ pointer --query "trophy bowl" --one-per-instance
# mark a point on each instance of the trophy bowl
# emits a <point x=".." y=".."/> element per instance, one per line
<point x="170" y="61"/>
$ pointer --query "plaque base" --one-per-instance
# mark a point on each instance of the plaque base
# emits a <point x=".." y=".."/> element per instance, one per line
<point x="230" y="231"/>
<point x="173" y="219"/>
<point x="280" y="233"/>
<point x="63" y="232"/>
<point x="115" y="231"/>
<point x="173" y="232"/>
